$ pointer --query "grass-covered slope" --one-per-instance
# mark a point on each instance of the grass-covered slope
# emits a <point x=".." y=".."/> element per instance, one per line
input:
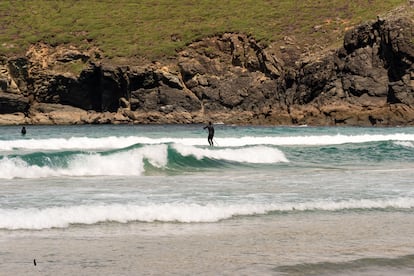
<point x="126" y="28"/>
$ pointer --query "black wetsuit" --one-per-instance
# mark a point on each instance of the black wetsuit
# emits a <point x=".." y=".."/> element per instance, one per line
<point x="210" y="134"/>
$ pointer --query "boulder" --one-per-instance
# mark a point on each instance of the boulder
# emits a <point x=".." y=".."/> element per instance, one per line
<point x="42" y="113"/>
<point x="13" y="119"/>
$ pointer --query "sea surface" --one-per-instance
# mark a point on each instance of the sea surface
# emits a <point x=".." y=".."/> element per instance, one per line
<point x="157" y="200"/>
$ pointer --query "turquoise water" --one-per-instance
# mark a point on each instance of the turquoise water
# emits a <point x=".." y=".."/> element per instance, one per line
<point x="270" y="200"/>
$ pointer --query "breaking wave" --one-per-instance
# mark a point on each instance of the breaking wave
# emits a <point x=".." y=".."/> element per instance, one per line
<point x="62" y="217"/>
<point x="131" y="161"/>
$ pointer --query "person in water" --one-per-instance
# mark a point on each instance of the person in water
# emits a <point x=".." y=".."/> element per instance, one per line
<point x="210" y="129"/>
<point x="23" y="131"/>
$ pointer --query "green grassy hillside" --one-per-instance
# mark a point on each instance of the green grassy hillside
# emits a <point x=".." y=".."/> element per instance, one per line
<point x="126" y="28"/>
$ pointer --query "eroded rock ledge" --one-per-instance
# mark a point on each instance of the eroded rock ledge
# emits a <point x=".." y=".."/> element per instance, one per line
<point x="229" y="78"/>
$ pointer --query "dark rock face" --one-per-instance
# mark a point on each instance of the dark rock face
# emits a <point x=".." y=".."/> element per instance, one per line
<point x="158" y="90"/>
<point x="231" y="73"/>
<point x="229" y="78"/>
<point x="12" y="103"/>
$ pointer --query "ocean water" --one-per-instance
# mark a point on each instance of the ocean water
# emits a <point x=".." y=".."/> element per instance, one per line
<point x="157" y="200"/>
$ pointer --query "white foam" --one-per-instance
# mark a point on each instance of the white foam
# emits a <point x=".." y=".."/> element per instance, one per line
<point x="256" y="154"/>
<point x="14" y="167"/>
<point x="62" y="217"/>
<point x="128" y="163"/>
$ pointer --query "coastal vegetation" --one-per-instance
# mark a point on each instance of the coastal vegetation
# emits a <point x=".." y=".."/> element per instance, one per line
<point x="156" y="29"/>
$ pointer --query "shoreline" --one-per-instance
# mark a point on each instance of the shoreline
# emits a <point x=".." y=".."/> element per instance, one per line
<point x="179" y="248"/>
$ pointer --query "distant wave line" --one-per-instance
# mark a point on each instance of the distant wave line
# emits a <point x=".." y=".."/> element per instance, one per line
<point x="114" y="142"/>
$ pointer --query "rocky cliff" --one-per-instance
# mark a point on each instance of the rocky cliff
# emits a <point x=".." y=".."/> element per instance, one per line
<point x="229" y="78"/>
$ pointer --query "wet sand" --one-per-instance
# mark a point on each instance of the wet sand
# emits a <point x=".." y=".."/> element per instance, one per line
<point x="294" y="244"/>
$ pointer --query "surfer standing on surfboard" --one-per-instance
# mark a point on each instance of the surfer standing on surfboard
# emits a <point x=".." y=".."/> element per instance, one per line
<point x="210" y="133"/>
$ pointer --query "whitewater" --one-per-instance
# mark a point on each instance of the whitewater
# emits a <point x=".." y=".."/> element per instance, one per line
<point x="336" y="200"/>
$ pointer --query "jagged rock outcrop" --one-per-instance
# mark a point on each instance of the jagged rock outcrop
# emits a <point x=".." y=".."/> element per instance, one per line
<point x="229" y="78"/>
<point x="365" y="82"/>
